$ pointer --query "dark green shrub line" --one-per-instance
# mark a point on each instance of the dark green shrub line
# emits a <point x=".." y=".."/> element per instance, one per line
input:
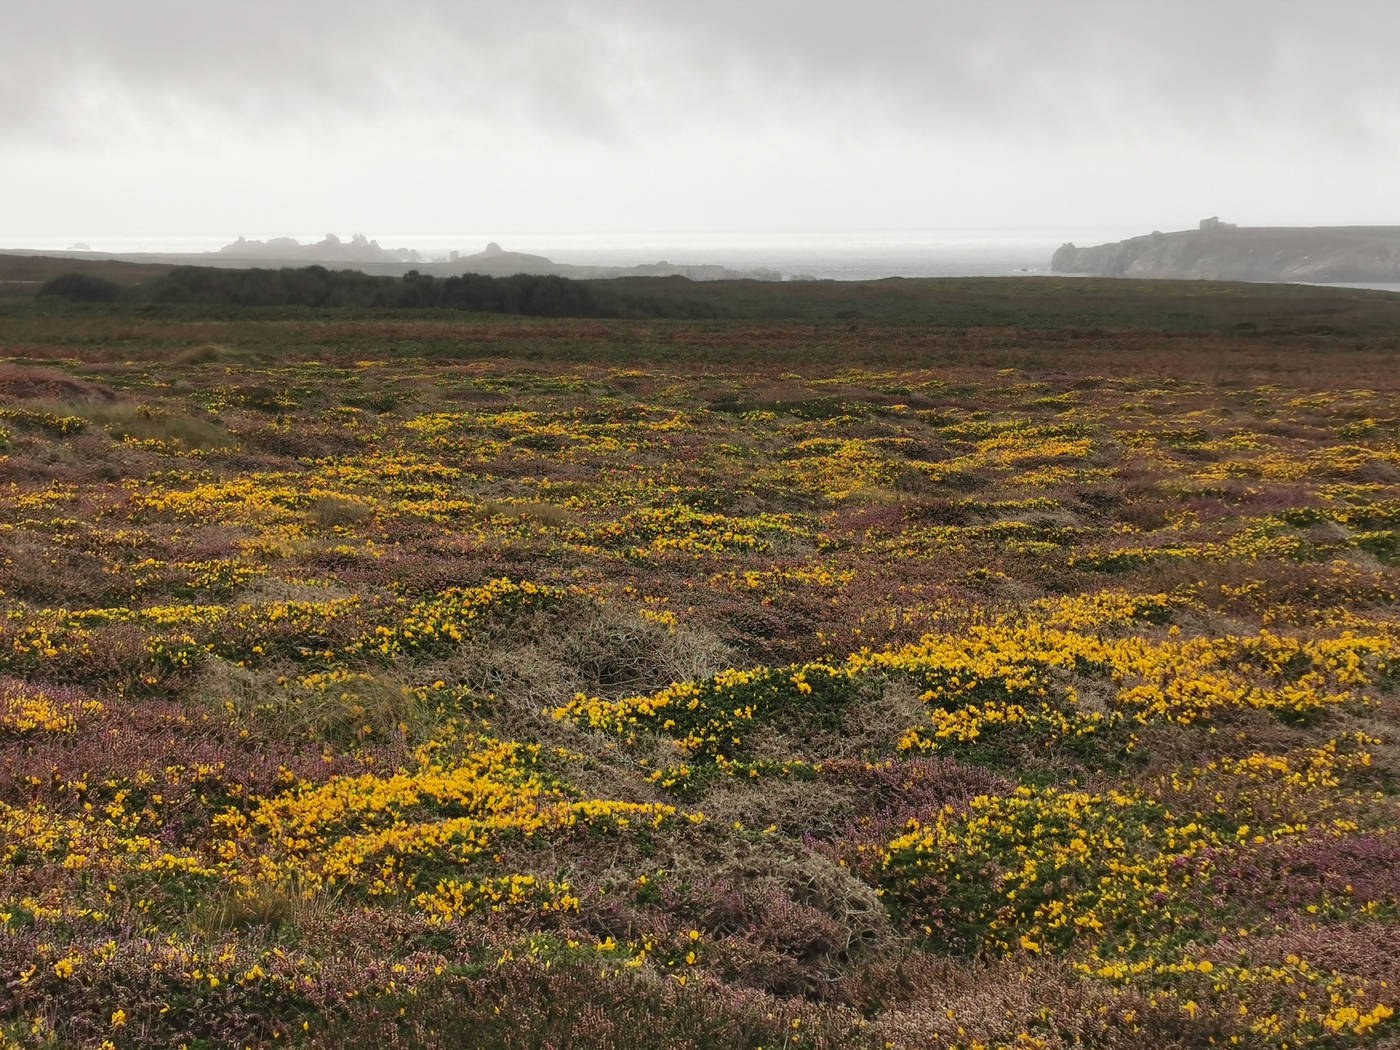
<point x="317" y="287"/>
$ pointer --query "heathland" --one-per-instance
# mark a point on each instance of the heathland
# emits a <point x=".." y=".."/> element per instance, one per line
<point x="1002" y="663"/>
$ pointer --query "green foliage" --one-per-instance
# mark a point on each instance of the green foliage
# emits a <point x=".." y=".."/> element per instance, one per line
<point x="318" y="287"/>
<point x="81" y="288"/>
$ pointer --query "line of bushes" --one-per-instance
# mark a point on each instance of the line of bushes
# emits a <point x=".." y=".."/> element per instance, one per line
<point x="316" y="286"/>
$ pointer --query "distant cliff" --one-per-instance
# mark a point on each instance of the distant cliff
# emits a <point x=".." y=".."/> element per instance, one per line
<point x="1223" y="252"/>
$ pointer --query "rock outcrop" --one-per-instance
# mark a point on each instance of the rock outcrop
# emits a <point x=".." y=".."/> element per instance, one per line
<point x="1220" y="251"/>
<point x="359" y="249"/>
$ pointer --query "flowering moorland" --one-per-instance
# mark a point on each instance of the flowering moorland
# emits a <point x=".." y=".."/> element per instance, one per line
<point x="423" y="702"/>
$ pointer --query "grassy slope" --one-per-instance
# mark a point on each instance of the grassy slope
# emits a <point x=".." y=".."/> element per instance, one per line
<point x="20" y="275"/>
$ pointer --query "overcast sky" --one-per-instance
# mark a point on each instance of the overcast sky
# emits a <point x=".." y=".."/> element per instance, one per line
<point x="268" y="116"/>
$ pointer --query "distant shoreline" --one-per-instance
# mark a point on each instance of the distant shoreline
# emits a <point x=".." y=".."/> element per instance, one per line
<point x="837" y="255"/>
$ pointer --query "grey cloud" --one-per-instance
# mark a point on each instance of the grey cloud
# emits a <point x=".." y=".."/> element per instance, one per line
<point x="263" y="60"/>
<point x="1208" y="66"/>
<point x="652" y="113"/>
<point x="612" y="69"/>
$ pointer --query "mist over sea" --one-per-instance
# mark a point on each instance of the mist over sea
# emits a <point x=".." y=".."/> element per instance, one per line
<point x="848" y="256"/>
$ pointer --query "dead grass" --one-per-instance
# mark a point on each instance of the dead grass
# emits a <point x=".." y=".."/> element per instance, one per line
<point x="331" y="511"/>
<point x="378" y="707"/>
<point x="529" y="510"/>
<point x="264" y="907"/>
<point x="123" y="419"/>
<point x="586" y="647"/>
<point x="992" y="1004"/>
<point x="210" y="353"/>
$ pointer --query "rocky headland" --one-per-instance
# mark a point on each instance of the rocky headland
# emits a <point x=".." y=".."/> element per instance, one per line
<point x="1221" y="251"/>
